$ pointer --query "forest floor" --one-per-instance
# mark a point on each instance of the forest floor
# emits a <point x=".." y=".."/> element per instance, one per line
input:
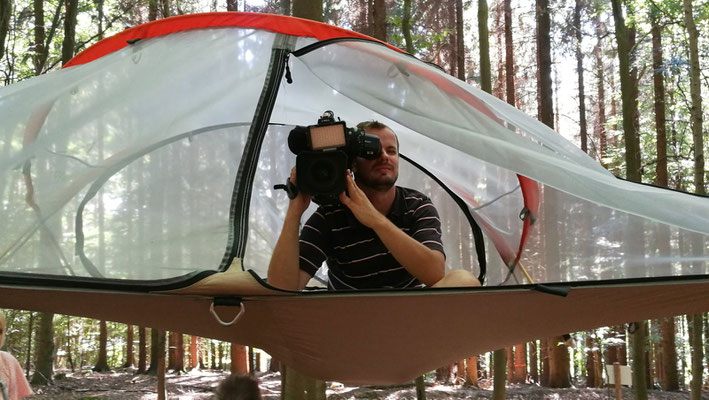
<point x="124" y="384"/>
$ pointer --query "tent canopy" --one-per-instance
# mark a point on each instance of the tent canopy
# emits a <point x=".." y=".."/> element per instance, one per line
<point x="148" y="164"/>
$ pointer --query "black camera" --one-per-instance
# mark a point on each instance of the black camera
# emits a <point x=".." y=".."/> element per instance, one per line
<point x="324" y="152"/>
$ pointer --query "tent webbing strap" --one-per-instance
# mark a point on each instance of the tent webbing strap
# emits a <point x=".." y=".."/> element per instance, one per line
<point x="241" y="196"/>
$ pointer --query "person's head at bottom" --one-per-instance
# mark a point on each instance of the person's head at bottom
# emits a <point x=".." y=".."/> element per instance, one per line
<point x="238" y="387"/>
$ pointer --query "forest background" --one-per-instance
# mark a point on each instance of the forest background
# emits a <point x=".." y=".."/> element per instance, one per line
<point x="624" y="80"/>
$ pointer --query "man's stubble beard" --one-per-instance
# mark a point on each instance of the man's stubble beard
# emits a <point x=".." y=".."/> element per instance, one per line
<point x="380" y="185"/>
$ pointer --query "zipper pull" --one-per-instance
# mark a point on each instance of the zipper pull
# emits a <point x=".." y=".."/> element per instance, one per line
<point x="289" y="78"/>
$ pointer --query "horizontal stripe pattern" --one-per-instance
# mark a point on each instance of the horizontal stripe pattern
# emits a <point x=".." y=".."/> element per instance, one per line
<point x="356" y="257"/>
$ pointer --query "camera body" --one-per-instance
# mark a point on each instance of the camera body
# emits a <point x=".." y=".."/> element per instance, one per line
<point x="324" y="152"/>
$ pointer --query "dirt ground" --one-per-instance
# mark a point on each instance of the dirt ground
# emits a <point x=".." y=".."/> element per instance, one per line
<point x="124" y="384"/>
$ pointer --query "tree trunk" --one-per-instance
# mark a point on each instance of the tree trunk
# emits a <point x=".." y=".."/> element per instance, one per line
<point x="559" y="376"/>
<point x="239" y="359"/>
<point x="40" y="35"/>
<point x="176" y="353"/>
<point x="696" y="94"/>
<point x="5" y="11"/>
<point x="130" y="359"/>
<point x="544" y="376"/>
<point x="406" y="27"/>
<point x="194" y="356"/>
<point x="152" y="10"/>
<point x="639" y="345"/>
<point x="695" y="325"/>
<point x="590" y="361"/>
<point x="520" y="364"/>
<point x="69" y="42"/>
<point x="544" y="87"/>
<point x="102" y="361"/>
<point x="632" y="142"/>
<point x="159" y="345"/>
<point x="308" y="9"/>
<point x="142" y="350"/>
<point x="460" y="39"/>
<point x="379" y="20"/>
<point x="420" y="388"/>
<point x="533" y="361"/>
<point x="44" y="358"/>
<point x="233" y="5"/>
<point x="659" y="98"/>
<point x="483" y="37"/>
<point x="300" y="387"/>
<point x="500" y="375"/>
<point x="601" y="100"/>
<point x="509" y="55"/>
<point x="155" y="351"/>
<point x="69" y="347"/>
<point x="471" y="371"/>
<point x="28" y="354"/>
<point x="579" y="72"/>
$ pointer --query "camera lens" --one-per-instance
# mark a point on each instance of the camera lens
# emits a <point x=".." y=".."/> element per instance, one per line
<point x="324" y="173"/>
<point x="321" y="173"/>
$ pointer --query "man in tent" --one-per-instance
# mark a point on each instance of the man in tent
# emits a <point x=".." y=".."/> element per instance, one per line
<point x="379" y="236"/>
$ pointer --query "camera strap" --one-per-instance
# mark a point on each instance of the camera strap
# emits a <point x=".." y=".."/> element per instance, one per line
<point x="290" y="188"/>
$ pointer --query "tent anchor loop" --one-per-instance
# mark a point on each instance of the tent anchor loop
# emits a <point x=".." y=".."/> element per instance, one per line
<point x="227" y="301"/>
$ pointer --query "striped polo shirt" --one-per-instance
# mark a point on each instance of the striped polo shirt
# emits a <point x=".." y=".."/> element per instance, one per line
<point x="355" y="256"/>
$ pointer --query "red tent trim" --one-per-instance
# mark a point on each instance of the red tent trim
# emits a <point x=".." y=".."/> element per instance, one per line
<point x="270" y="22"/>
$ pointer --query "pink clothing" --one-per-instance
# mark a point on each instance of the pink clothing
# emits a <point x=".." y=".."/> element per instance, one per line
<point x="11" y="374"/>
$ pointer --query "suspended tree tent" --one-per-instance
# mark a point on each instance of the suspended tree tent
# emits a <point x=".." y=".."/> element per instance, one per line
<point x="136" y="185"/>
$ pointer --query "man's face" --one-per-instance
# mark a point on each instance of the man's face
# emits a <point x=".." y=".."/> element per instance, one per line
<point x="382" y="172"/>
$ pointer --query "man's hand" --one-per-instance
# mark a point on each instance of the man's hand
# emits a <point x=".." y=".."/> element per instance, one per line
<point x="359" y="204"/>
<point x="283" y="269"/>
<point x="300" y="203"/>
<point x="427" y="265"/>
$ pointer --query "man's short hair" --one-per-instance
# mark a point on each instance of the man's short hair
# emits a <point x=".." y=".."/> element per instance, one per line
<point x="238" y="387"/>
<point x="374" y="124"/>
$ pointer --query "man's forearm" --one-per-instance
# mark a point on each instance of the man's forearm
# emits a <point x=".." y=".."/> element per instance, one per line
<point x="283" y="270"/>
<point x="427" y="265"/>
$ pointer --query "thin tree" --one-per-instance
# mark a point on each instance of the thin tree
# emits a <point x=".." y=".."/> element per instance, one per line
<point x="509" y="55"/>
<point x="130" y="358"/>
<point x="102" y="361"/>
<point x="406" y="27"/>
<point x="460" y="39"/>
<point x="5" y="11"/>
<point x="484" y="41"/>
<point x="632" y="142"/>
<point x="499" y="365"/>
<point x="696" y="95"/>
<point x="142" y="351"/>
<point x="579" y="72"/>
<point x="668" y="353"/>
